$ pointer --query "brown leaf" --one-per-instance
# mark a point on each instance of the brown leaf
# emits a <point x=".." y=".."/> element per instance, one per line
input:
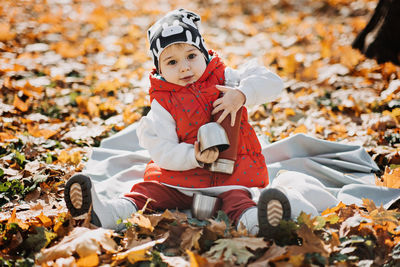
<point x="235" y="249"/>
<point x="311" y="243"/>
<point x="142" y="221"/>
<point x="81" y="240"/>
<point x="273" y="252"/>
<point x="190" y="238"/>
<point x="217" y="227"/>
<point x="131" y="239"/>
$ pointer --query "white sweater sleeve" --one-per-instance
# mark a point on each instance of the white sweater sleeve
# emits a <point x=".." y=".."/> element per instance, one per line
<point x="258" y="84"/>
<point x="157" y="134"/>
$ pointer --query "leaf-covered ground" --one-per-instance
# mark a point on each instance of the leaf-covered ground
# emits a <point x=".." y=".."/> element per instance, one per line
<point x="75" y="72"/>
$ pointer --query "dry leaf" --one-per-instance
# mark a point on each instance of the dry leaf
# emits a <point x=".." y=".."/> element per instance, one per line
<point x="138" y="253"/>
<point x="190" y="238"/>
<point x="391" y="178"/>
<point x="273" y="252"/>
<point x="82" y="241"/>
<point x="311" y="243"/>
<point x="88" y="261"/>
<point x="235" y="249"/>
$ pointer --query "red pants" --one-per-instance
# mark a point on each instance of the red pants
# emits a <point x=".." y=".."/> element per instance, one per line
<point x="234" y="202"/>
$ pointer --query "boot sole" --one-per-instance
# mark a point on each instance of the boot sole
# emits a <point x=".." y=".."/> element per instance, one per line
<point x="78" y="198"/>
<point x="273" y="206"/>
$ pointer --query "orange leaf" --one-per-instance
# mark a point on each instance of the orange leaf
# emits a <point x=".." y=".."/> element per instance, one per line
<point x="391" y="178"/>
<point x="369" y="204"/>
<point x="14" y="219"/>
<point x="19" y="104"/>
<point x="334" y="209"/>
<point x="6" y="136"/>
<point x="46" y="221"/>
<point x="290" y="112"/>
<point x="5" y="32"/>
<point x="67" y="50"/>
<point x="63" y="157"/>
<point x="197" y="260"/>
<point x="36" y="132"/>
<point x="300" y="129"/>
<point x="88" y="261"/>
<point x="76" y="158"/>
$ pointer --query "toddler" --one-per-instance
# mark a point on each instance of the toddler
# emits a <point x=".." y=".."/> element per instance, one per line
<point x="188" y="86"/>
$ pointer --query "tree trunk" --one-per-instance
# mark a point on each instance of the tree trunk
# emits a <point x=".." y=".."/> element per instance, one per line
<point x="380" y="39"/>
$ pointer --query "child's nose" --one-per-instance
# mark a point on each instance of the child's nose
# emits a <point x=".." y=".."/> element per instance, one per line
<point x="185" y="66"/>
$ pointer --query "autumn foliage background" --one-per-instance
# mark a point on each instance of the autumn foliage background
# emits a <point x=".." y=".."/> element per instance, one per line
<point x="75" y="72"/>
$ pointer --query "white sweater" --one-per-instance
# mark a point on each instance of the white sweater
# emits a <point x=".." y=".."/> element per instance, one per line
<point x="157" y="130"/>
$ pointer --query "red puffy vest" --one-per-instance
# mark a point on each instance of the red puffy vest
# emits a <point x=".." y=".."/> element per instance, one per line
<point x="191" y="107"/>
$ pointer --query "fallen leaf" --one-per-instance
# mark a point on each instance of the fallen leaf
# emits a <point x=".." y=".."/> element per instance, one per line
<point x="175" y="261"/>
<point x="35" y="131"/>
<point x="391" y="178"/>
<point x="82" y="241"/>
<point x="46" y="221"/>
<point x="217" y="227"/>
<point x="88" y="261"/>
<point x="13" y="219"/>
<point x="311" y="243"/>
<point x="235" y="249"/>
<point x="142" y="221"/>
<point x="190" y="238"/>
<point x="138" y="253"/>
<point x="19" y="104"/>
<point x="5" y="32"/>
<point x="273" y="252"/>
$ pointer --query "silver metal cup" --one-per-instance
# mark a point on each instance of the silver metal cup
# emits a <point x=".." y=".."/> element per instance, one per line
<point x="204" y="207"/>
<point x="212" y="134"/>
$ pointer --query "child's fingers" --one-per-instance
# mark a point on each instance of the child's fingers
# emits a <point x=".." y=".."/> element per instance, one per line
<point x="209" y="155"/>
<point x="223" y="88"/>
<point x="217" y="102"/>
<point x="233" y="118"/>
<point x="223" y="116"/>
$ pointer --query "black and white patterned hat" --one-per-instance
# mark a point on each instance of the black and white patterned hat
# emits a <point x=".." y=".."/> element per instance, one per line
<point x="178" y="26"/>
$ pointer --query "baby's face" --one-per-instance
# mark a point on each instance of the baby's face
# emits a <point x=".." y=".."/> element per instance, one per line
<point x="182" y="64"/>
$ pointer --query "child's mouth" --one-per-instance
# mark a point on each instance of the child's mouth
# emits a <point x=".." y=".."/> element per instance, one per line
<point x="187" y="78"/>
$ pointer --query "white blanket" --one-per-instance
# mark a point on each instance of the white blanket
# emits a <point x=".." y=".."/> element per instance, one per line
<point x="346" y="170"/>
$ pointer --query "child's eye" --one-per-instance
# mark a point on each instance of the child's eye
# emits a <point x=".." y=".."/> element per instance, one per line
<point x="192" y="56"/>
<point x="171" y="62"/>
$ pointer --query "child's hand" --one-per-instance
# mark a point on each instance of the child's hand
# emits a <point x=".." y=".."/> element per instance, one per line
<point x="207" y="156"/>
<point x="232" y="100"/>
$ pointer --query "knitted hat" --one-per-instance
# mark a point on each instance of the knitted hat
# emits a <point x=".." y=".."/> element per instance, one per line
<point x="178" y="26"/>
